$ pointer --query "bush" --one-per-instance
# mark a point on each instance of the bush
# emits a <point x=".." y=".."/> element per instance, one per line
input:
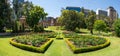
<point x="38" y="28"/>
<point x="40" y="49"/>
<point x="15" y="27"/>
<point x="117" y="27"/>
<point x="71" y="35"/>
<point x="49" y="35"/>
<point x="100" y="25"/>
<point x="41" y="28"/>
<point x="60" y="36"/>
<point x="86" y="49"/>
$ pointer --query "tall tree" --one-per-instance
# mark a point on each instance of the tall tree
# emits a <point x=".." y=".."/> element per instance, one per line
<point x="82" y="18"/>
<point x="90" y="21"/>
<point x="100" y="25"/>
<point x="70" y="19"/>
<point x="116" y="26"/>
<point x="5" y="13"/>
<point x="17" y="7"/>
<point x="34" y="15"/>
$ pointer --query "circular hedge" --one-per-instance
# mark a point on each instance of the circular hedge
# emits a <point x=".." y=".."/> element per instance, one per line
<point x="87" y="43"/>
<point x="36" y="43"/>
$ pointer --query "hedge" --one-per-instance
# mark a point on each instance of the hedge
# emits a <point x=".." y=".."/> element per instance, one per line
<point x="40" y="49"/>
<point x="87" y="49"/>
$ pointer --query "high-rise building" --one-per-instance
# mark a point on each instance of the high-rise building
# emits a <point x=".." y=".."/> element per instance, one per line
<point x="20" y="1"/>
<point x="112" y="13"/>
<point x="101" y="12"/>
<point x="74" y="8"/>
<point x="85" y="11"/>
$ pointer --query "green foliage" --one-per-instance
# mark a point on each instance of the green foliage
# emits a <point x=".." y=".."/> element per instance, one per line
<point x="17" y="9"/>
<point x="86" y="41"/>
<point x="38" y="28"/>
<point x="49" y="35"/>
<point x="117" y="27"/>
<point x="71" y="35"/>
<point x="34" y="40"/>
<point x="34" y="15"/>
<point x="84" y="44"/>
<point x="60" y="35"/>
<point x="40" y="49"/>
<point x="82" y="19"/>
<point x="100" y="25"/>
<point x="15" y="27"/>
<point x="23" y="28"/>
<point x="41" y="28"/>
<point x="71" y="19"/>
<point x="90" y="21"/>
<point x="5" y="13"/>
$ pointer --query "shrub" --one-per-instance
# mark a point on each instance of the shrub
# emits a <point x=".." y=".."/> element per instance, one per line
<point x="100" y="25"/>
<point x="38" y="28"/>
<point x="117" y="27"/>
<point x="15" y="27"/>
<point x="41" y="49"/>
<point x="84" y="48"/>
<point x="60" y="36"/>
<point x="71" y="35"/>
<point x="41" y="28"/>
<point x="49" y="35"/>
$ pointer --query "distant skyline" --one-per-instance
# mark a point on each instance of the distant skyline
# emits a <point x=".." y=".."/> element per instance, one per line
<point x="54" y="7"/>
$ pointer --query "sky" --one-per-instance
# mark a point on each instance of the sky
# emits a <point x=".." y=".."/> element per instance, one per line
<point x="54" y="7"/>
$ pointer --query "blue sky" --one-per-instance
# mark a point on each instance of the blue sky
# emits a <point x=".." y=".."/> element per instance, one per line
<point x="53" y="7"/>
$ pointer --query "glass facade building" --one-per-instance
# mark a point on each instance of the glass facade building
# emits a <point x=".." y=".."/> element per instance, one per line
<point x="20" y="1"/>
<point x="74" y="8"/>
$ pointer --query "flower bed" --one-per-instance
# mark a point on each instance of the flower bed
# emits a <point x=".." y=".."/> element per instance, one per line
<point x="36" y="43"/>
<point x="87" y="43"/>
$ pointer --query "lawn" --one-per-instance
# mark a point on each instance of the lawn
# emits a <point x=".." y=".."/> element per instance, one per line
<point x="58" y="48"/>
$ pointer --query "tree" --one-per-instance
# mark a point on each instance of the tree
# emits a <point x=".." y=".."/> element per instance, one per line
<point x="116" y="26"/>
<point x="82" y="19"/>
<point x="5" y="13"/>
<point x="99" y="25"/>
<point x="70" y="20"/>
<point x="34" y="15"/>
<point x="17" y="7"/>
<point x="26" y="7"/>
<point x="90" y="21"/>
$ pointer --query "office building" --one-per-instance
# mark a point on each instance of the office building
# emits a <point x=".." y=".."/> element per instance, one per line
<point x="112" y="13"/>
<point x="21" y="1"/>
<point x="101" y="12"/>
<point x="86" y="11"/>
<point x="74" y="8"/>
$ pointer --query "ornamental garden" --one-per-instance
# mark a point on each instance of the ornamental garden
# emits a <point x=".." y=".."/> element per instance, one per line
<point x="74" y="35"/>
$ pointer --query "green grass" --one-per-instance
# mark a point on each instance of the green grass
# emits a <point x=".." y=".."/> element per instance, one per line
<point x="58" y="48"/>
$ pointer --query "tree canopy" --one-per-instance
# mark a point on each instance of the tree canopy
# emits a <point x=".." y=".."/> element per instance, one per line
<point x="99" y="25"/>
<point x="5" y="13"/>
<point x="34" y="15"/>
<point x="90" y="21"/>
<point x="71" y="19"/>
<point x="116" y="26"/>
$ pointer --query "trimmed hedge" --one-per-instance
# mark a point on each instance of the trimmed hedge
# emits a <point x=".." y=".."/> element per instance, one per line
<point x="40" y="49"/>
<point x="86" y="49"/>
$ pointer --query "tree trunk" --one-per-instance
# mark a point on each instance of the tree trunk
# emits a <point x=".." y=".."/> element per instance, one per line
<point x="91" y="31"/>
